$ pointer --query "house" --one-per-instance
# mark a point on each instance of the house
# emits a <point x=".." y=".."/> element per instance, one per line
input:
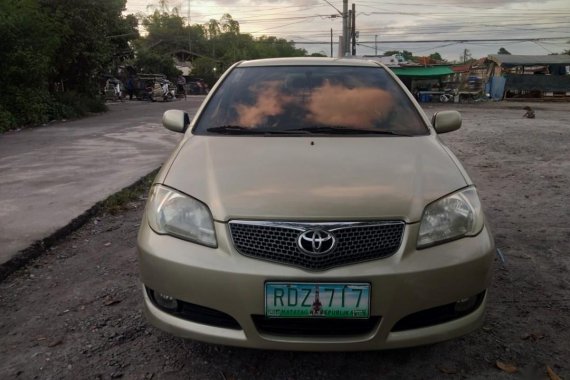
<point x="468" y="78"/>
<point x="513" y="77"/>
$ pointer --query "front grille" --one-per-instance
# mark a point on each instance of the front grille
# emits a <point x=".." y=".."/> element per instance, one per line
<point x="318" y="327"/>
<point x="355" y="242"/>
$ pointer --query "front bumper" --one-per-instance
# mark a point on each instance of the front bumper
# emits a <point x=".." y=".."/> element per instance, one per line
<point x="403" y="284"/>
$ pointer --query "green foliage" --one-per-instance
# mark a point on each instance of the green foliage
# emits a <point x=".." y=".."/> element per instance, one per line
<point x="120" y="201"/>
<point x="154" y="63"/>
<point x="93" y="40"/>
<point x="436" y="57"/>
<point x="277" y="47"/>
<point x="503" y="51"/>
<point x="212" y="47"/>
<point x="54" y="52"/>
<point x="72" y="104"/>
<point x="7" y="120"/>
<point x="50" y="46"/>
<point x="29" y="41"/>
<point x="205" y="68"/>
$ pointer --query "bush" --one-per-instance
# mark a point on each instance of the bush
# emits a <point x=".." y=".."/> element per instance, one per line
<point x="7" y="120"/>
<point x="26" y="107"/>
<point x="71" y="105"/>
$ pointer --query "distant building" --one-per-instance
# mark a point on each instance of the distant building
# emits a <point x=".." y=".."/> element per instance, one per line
<point x="389" y="60"/>
<point x="427" y="83"/>
<point x="514" y="77"/>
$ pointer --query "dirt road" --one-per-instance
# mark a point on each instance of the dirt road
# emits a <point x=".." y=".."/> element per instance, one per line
<point x="76" y="311"/>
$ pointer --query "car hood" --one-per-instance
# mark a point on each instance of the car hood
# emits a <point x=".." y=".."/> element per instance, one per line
<point x="321" y="178"/>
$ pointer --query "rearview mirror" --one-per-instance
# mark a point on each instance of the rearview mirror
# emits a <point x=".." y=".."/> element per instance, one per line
<point x="446" y="121"/>
<point x="176" y="120"/>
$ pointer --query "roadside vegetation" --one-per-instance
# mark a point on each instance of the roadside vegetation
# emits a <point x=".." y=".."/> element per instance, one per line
<point x="52" y="54"/>
<point x="55" y="55"/>
<point x="120" y="201"/>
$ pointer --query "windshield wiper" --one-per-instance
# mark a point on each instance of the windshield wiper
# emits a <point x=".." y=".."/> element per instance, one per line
<point x="232" y="130"/>
<point x="239" y="130"/>
<point x="347" y="131"/>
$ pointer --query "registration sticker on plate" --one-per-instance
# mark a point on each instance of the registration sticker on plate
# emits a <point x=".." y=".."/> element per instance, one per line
<point x="324" y="300"/>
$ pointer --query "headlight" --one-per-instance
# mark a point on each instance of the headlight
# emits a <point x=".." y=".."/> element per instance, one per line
<point x="457" y="215"/>
<point x="170" y="212"/>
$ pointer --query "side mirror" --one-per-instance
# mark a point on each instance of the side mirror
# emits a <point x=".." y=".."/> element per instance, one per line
<point x="176" y="120"/>
<point x="446" y="121"/>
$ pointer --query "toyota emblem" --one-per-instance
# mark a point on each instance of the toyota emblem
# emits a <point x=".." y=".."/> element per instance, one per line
<point x="316" y="242"/>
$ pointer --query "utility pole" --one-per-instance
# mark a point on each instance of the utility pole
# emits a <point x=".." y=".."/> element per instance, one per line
<point x="353" y="32"/>
<point x="189" y="31"/>
<point x="376" y="45"/>
<point x="345" y="27"/>
<point x="331" y="44"/>
<point x="343" y="40"/>
<point x="348" y="33"/>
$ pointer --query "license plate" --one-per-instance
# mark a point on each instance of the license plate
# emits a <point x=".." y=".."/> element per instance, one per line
<point x="312" y="300"/>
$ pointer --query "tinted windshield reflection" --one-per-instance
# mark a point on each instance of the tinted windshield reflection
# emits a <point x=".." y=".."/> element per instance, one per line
<point x="293" y="97"/>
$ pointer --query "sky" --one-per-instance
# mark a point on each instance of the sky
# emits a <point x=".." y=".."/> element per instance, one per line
<point x="396" y="24"/>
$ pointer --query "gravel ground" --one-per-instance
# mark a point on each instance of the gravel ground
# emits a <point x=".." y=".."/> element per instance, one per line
<point x="76" y="311"/>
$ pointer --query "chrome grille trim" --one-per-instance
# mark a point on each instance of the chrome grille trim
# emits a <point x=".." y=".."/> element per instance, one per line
<point x="277" y="241"/>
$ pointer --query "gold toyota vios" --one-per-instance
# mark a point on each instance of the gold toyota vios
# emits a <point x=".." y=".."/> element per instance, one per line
<point x="312" y="206"/>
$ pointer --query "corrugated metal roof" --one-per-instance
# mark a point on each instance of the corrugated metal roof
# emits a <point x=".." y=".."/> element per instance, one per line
<point x="422" y="72"/>
<point x="461" y="68"/>
<point x="529" y="60"/>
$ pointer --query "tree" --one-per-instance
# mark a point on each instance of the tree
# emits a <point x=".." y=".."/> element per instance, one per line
<point x="215" y="45"/>
<point x="270" y="46"/>
<point x="94" y="35"/>
<point x="213" y="27"/>
<point x="436" y="57"/>
<point x="150" y="62"/>
<point x="163" y="6"/>
<point x="229" y="25"/>
<point x="466" y="57"/>
<point x="30" y="39"/>
<point x="53" y="53"/>
<point x="503" y="51"/>
<point x="206" y="68"/>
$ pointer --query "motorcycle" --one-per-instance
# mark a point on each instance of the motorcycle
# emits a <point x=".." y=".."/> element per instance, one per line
<point x="447" y="96"/>
<point x="113" y="90"/>
<point x="161" y="90"/>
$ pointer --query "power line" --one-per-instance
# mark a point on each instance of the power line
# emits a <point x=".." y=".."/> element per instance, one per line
<point x="453" y="40"/>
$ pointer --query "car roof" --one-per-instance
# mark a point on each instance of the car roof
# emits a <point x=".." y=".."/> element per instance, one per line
<point x="309" y="61"/>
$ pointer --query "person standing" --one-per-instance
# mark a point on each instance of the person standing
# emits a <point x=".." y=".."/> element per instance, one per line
<point x="181" y="84"/>
<point x="130" y="88"/>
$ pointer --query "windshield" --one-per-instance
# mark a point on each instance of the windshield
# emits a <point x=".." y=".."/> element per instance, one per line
<point x="310" y="99"/>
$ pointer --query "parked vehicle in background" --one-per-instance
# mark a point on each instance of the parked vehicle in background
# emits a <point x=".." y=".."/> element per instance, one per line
<point x="196" y="86"/>
<point x="145" y="85"/>
<point x="113" y="89"/>
<point x="311" y="205"/>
